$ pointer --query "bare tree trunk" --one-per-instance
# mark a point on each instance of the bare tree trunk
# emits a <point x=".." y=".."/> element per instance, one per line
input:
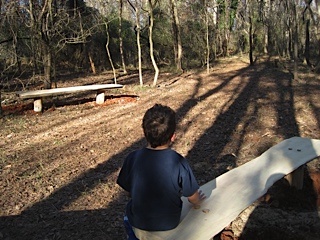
<point x="154" y="63"/>
<point x="250" y="41"/>
<point x="16" y="49"/>
<point x="139" y="55"/>
<point x="47" y="65"/>
<point x="295" y="41"/>
<point x="85" y="46"/>
<point x="109" y="54"/>
<point x="226" y="28"/>
<point x="120" y="37"/>
<point x="307" y="43"/>
<point x="215" y="21"/>
<point x="92" y="65"/>
<point x="317" y="34"/>
<point x="290" y="42"/>
<point x="207" y="37"/>
<point x="139" y="44"/>
<point x="266" y="26"/>
<point x="40" y="28"/>
<point x="136" y="8"/>
<point x="176" y="35"/>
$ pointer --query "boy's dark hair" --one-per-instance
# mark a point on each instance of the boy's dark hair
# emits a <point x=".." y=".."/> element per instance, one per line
<point x="159" y="125"/>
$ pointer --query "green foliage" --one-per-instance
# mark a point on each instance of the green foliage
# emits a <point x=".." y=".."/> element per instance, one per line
<point x="193" y="32"/>
<point x="162" y="36"/>
<point x="227" y="21"/>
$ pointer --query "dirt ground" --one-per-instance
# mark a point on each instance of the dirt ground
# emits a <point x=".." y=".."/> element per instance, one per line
<point x="58" y="168"/>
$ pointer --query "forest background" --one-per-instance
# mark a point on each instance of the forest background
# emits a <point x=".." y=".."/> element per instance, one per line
<point x="242" y="76"/>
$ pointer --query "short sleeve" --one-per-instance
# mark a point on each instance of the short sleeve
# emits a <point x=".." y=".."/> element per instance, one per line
<point x="125" y="172"/>
<point x="188" y="181"/>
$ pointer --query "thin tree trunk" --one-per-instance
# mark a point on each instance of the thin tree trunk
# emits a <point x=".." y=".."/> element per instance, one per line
<point x="290" y="44"/>
<point x="92" y="65"/>
<point x="139" y="55"/>
<point x="176" y="35"/>
<point x="316" y="31"/>
<point x="34" y="59"/>
<point x="47" y="66"/>
<point x="139" y="44"/>
<point x="16" y="51"/>
<point x="109" y="54"/>
<point x="120" y="37"/>
<point x="307" y="44"/>
<point x="154" y="63"/>
<point x="227" y="26"/>
<point x="295" y="42"/>
<point x="250" y="41"/>
<point x="136" y="8"/>
<point x="266" y="26"/>
<point x="207" y="39"/>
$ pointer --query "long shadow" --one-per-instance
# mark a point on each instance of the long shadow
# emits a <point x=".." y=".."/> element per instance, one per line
<point x="312" y="88"/>
<point x="302" y="204"/>
<point x="210" y="145"/>
<point x="48" y="220"/>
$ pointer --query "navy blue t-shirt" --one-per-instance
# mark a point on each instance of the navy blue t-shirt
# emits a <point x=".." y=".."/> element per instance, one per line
<point x="156" y="180"/>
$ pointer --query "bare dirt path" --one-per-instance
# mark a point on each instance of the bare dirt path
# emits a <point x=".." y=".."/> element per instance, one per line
<point x="58" y="168"/>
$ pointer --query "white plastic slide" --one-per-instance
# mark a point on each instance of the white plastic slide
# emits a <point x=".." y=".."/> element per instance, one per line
<point x="229" y="194"/>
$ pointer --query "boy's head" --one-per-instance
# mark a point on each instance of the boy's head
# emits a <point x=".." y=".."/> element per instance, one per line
<point x="159" y="125"/>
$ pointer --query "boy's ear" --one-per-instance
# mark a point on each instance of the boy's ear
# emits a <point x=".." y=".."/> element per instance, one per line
<point x="173" y="137"/>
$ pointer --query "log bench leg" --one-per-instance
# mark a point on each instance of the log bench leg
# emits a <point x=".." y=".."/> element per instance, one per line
<point x="37" y="105"/>
<point x="100" y="97"/>
<point x="295" y="178"/>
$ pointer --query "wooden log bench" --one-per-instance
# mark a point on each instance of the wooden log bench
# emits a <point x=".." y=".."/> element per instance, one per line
<point x="37" y="95"/>
<point x="232" y="192"/>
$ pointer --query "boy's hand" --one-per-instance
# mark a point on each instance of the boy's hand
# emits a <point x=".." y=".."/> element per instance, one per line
<point x="202" y="196"/>
<point x="197" y="198"/>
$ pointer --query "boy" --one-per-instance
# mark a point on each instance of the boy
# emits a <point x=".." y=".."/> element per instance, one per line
<point x="156" y="177"/>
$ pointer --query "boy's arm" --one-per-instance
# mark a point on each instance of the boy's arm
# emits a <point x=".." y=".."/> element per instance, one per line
<point x="197" y="198"/>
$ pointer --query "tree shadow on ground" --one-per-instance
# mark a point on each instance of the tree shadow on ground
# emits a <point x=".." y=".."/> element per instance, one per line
<point x="287" y="208"/>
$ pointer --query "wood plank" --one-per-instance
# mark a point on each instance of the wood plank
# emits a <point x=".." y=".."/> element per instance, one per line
<point x="229" y="194"/>
<point x="65" y="90"/>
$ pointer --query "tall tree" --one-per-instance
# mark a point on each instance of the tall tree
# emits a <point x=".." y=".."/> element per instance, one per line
<point x="152" y="5"/>
<point x="41" y="20"/>
<point x="207" y="35"/>
<point x="120" y="37"/>
<point x="295" y="38"/>
<point x="136" y="8"/>
<point x="51" y="31"/>
<point x="251" y="40"/>
<point x="176" y="35"/>
<point x="108" y="51"/>
<point x="317" y="3"/>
